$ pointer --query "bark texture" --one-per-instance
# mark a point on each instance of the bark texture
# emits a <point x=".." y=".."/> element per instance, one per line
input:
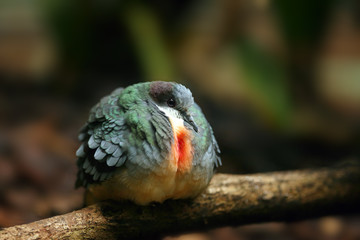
<point x="229" y="200"/>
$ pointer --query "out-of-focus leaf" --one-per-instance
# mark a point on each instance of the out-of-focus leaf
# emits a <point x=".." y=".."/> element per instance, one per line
<point x="265" y="78"/>
<point x="149" y="42"/>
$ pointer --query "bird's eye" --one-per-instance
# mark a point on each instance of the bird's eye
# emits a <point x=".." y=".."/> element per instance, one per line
<point x="171" y="102"/>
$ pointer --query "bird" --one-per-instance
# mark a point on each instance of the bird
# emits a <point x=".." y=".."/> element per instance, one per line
<point x="146" y="143"/>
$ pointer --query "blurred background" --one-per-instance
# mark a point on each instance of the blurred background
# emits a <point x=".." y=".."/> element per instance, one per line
<point x="278" y="80"/>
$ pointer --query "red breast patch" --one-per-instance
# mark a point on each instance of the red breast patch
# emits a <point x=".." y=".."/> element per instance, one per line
<point x="182" y="148"/>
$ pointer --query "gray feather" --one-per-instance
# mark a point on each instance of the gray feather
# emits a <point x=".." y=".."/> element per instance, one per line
<point x="92" y="143"/>
<point x="89" y="168"/>
<point x="117" y="153"/>
<point x="99" y="154"/>
<point x="96" y="176"/>
<point x="92" y="118"/>
<point x="111" y="161"/>
<point x="82" y="136"/>
<point x="105" y="144"/>
<point x="80" y="152"/>
<point x="115" y="140"/>
<point x="121" y="161"/>
<point x="99" y="113"/>
<point x="111" y="149"/>
<point x="86" y="164"/>
<point x="93" y="170"/>
<point x="120" y="122"/>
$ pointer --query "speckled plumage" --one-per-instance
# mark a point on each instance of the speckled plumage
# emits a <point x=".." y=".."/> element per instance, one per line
<point x="129" y="144"/>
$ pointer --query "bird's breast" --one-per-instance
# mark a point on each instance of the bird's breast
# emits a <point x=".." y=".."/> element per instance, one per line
<point x="182" y="150"/>
<point x="175" y="178"/>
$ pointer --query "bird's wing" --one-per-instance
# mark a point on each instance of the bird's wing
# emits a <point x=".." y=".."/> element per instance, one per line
<point x="216" y="150"/>
<point x="206" y="142"/>
<point x="120" y="130"/>
<point x="101" y="149"/>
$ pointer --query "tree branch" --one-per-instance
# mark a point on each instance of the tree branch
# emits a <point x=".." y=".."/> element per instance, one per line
<point x="230" y="200"/>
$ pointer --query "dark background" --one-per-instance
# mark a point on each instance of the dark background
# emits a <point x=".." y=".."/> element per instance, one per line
<point x="278" y="80"/>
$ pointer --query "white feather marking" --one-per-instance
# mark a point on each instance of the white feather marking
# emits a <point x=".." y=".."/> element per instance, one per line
<point x="174" y="116"/>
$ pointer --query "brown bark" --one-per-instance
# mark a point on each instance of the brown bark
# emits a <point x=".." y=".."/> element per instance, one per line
<point x="229" y="200"/>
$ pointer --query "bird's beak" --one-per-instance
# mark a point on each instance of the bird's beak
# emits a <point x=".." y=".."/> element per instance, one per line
<point x="189" y="119"/>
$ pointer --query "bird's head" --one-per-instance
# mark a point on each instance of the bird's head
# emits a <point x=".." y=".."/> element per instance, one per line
<point x="174" y="99"/>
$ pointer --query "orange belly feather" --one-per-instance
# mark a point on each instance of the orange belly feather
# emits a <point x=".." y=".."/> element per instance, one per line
<point x="183" y="148"/>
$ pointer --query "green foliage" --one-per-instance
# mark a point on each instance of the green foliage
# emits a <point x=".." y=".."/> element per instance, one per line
<point x="149" y="42"/>
<point x="266" y="79"/>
